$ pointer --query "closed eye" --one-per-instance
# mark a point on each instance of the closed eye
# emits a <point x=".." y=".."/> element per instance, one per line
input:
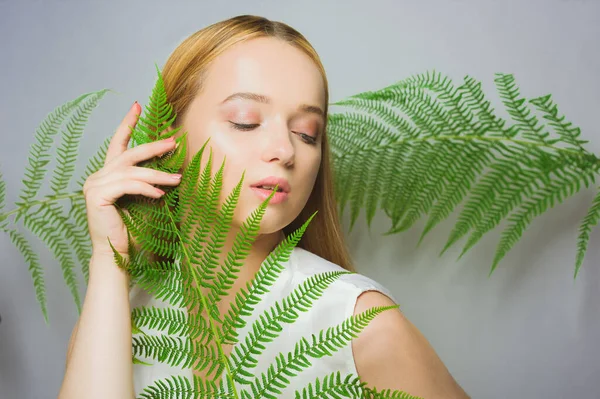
<point x="245" y="127"/>
<point x="308" y="138"/>
<point x="241" y="126"/>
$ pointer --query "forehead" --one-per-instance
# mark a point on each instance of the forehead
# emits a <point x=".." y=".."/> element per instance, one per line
<point x="267" y="66"/>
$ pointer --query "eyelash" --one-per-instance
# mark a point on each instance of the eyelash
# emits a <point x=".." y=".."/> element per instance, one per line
<point x="239" y="126"/>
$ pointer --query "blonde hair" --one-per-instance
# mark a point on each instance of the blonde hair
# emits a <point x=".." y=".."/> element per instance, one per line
<point x="183" y="76"/>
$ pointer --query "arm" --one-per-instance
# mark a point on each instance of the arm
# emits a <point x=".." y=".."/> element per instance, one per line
<point x="71" y="341"/>
<point x="99" y="356"/>
<point x="390" y="353"/>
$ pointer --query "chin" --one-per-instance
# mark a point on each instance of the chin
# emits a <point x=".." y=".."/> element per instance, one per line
<point x="275" y="218"/>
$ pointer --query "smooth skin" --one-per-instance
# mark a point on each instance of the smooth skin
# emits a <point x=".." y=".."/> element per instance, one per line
<point x="264" y="135"/>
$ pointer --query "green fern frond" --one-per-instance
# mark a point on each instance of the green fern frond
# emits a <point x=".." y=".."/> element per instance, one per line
<point x="391" y="181"/>
<point x="67" y="152"/>
<point x="518" y="181"/>
<point x="350" y="167"/>
<point x="460" y="177"/>
<point x="483" y="196"/>
<point x="31" y="258"/>
<point x="135" y="360"/>
<point x="438" y="177"/>
<point x="219" y="232"/>
<point x="425" y="185"/>
<point x="358" y="194"/>
<point x="267" y="326"/>
<point x="475" y="103"/>
<point x="177" y="387"/>
<point x="431" y="116"/>
<point x="35" y="268"/>
<point x="588" y="223"/>
<point x="198" y="192"/>
<point x="60" y="248"/>
<point x="432" y="119"/>
<point x="144" y="217"/>
<point x="151" y="125"/>
<point x="386" y="394"/>
<point x="425" y="113"/>
<point x="374" y="192"/>
<point x="449" y="145"/>
<point x="45" y="217"/>
<point x="270" y="270"/>
<point x="460" y="119"/>
<point x="567" y="134"/>
<point x="545" y="198"/>
<point x="165" y="281"/>
<point x="414" y="164"/>
<point x="39" y="154"/>
<point x="77" y="236"/>
<point x="527" y="123"/>
<point x="328" y="341"/>
<point x="172" y="321"/>
<point x="332" y="386"/>
<point x="177" y="351"/>
<point x="78" y="217"/>
<point x="241" y="247"/>
<point x="192" y="191"/>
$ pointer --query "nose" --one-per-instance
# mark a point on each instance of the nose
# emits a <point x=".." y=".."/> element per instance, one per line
<point x="279" y="146"/>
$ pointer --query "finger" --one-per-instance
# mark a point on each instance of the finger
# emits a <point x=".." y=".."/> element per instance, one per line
<point x="143" y="152"/>
<point x="146" y="175"/>
<point x="118" y="144"/>
<point x="109" y="193"/>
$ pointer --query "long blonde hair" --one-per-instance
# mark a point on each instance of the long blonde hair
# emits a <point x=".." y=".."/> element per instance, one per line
<point x="183" y="76"/>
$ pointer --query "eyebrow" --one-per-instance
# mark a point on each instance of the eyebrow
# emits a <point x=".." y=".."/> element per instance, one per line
<point x="311" y="109"/>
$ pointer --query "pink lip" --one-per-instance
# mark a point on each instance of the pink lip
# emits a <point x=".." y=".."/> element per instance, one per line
<point x="274" y="181"/>
<point x="278" y="197"/>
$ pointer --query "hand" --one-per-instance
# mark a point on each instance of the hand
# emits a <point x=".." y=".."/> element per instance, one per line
<point x="120" y="176"/>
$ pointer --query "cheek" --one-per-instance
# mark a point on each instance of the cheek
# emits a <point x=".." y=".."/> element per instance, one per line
<point x="224" y="147"/>
<point x="316" y="164"/>
<point x="236" y="160"/>
<point x="226" y="142"/>
<point x="311" y="172"/>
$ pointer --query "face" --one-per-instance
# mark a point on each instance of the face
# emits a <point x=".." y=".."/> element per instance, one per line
<point x="275" y="129"/>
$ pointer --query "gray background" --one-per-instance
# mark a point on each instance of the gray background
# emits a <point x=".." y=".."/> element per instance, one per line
<point x="529" y="330"/>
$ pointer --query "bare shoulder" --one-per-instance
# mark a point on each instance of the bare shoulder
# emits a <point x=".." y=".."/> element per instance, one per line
<point x="391" y="353"/>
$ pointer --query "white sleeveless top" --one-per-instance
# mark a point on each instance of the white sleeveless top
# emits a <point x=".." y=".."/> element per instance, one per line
<point x="331" y="309"/>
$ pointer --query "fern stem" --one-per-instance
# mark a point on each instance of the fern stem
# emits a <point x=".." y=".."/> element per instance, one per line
<point x="49" y="198"/>
<point x="205" y="305"/>
<point x="524" y="143"/>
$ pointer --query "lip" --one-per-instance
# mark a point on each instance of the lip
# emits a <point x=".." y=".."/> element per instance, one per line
<point x="273" y="181"/>
<point x="263" y="194"/>
<point x="278" y="197"/>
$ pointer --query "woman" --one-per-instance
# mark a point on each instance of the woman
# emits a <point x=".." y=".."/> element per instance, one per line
<point x="257" y="88"/>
